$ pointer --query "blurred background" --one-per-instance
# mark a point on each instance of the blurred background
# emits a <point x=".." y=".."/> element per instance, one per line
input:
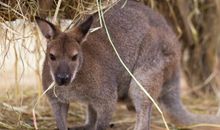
<point x="196" y="23"/>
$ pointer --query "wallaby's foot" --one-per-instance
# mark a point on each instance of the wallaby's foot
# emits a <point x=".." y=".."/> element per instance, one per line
<point x="111" y="125"/>
<point x="56" y="129"/>
<point x="80" y="127"/>
<point x="130" y="107"/>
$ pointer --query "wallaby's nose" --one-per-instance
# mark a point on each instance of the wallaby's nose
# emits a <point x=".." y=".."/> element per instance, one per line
<point x="62" y="79"/>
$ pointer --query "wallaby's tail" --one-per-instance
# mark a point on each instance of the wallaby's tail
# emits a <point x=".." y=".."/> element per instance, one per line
<point x="176" y="112"/>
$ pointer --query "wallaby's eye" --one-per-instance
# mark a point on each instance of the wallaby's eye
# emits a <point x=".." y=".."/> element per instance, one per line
<point x="52" y="57"/>
<point x="74" y="57"/>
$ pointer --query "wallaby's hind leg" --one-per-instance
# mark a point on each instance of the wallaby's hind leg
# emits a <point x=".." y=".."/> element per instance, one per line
<point x="151" y="79"/>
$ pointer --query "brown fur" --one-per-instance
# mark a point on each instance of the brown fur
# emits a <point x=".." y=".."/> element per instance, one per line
<point x="148" y="47"/>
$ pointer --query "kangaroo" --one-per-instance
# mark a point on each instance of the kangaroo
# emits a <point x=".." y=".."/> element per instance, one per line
<point x="86" y="68"/>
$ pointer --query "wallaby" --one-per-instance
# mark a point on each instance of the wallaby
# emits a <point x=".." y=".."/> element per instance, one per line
<point x="86" y="68"/>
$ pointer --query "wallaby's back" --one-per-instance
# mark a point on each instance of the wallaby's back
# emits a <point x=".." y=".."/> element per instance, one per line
<point x="141" y="36"/>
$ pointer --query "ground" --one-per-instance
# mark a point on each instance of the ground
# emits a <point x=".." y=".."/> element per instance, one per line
<point x="16" y="112"/>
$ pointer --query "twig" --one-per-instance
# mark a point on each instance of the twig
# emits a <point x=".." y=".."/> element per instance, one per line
<point x="6" y="125"/>
<point x="207" y="81"/>
<point x="10" y="29"/>
<point x="35" y="105"/>
<point x="7" y="6"/>
<point x="56" y="12"/>
<point x="199" y="125"/>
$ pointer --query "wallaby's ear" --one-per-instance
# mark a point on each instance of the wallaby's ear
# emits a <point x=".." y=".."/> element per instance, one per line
<point x="83" y="28"/>
<point x="48" y="29"/>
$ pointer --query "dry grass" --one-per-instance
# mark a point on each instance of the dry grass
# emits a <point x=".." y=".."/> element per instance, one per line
<point x="13" y="115"/>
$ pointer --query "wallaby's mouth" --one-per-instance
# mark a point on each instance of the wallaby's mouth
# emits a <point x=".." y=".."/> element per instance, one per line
<point x="63" y="78"/>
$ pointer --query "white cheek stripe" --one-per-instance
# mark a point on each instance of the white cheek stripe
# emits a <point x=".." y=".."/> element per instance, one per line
<point x="74" y="74"/>
<point x="51" y="73"/>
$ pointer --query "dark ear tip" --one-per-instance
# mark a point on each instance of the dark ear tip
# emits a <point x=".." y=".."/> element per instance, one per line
<point x="37" y="18"/>
<point x="88" y="21"/>
<point x="91" y="18"/>
<point x="85" y="26"/>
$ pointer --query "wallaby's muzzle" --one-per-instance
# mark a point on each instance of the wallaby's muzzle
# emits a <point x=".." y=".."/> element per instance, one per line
<point x="62" y="79"/>
<point x="63" y="75"/>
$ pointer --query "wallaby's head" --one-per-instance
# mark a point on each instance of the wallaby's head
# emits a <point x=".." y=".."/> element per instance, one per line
<point x="64" y="54"/>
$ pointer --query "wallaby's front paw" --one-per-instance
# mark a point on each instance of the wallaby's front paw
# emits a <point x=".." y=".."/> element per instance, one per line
<point x="82" y="127"/>
<point x="56" y="129"/>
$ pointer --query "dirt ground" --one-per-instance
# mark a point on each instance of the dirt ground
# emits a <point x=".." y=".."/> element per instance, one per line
<point x="16" y="113"/>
